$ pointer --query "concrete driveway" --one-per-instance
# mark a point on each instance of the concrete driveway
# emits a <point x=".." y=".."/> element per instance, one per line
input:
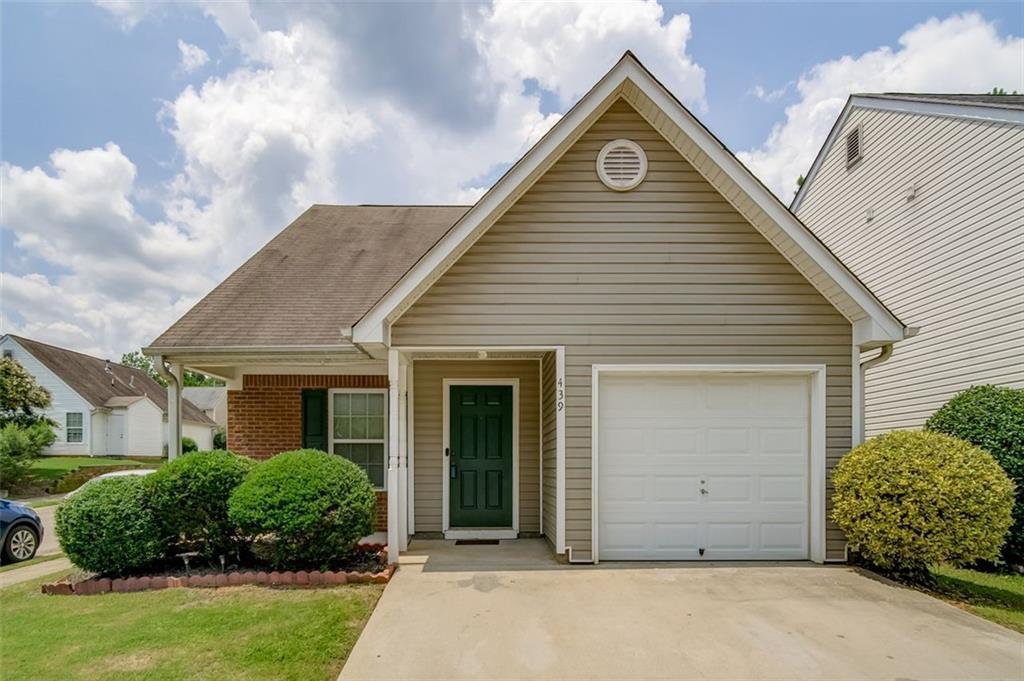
<point x="511" y="612"/>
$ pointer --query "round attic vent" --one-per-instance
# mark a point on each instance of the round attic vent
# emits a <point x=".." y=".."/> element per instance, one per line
<point x="622" y="165"/>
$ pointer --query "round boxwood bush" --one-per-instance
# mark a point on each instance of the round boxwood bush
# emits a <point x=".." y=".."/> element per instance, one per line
<point x="312" y="506"/>
<point x="189" y="497"/>
<point x="108" y="527"/>
<point x="992" y="418"/>
<point x="907" y="500"/>
<point x="188" y="445"/>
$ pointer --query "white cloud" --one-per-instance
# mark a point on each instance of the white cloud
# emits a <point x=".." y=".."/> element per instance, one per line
<point x="302" y="120"/>
<point x="128" y="13"/>
<point x="963" y="53"/>
<point x="766" y="95"/>
<point x="568" y="46"/>
<point x="193" y="57"/>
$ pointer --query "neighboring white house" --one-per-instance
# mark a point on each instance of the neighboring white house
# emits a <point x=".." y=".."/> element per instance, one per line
<point x="923" y="197"/>
<point x="211" y="400"/>
<point x="103" y="408"/>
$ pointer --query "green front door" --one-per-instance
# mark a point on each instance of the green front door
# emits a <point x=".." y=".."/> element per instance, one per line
<point x="480" y="456"/>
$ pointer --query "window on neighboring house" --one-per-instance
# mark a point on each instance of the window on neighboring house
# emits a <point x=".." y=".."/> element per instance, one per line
<point x="854" y="147"/>
<point x="73" y="426"/>
<point x="359" y="428"/>
<point x="8" y="354"/>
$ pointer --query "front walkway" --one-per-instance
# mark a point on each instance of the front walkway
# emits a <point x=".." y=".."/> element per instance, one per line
<point x="512" y="612"/>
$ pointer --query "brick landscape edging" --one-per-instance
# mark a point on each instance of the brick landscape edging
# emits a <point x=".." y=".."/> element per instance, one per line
<point x="300" y="578"/>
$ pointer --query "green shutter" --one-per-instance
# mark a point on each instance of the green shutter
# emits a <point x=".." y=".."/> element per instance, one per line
<point x="314" y="419"/>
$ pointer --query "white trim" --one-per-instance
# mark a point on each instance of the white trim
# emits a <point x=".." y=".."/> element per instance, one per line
<point x="447" y="384"/>
<point x="857" y="396"/>
<point x="374" y="326"/>
<point x="816" y="466"/>
<point x="392" y="449"/>
<point x="331" y="440"/>
<point x="482" y="533"/>
<point x="560" y="406"/>
<point x="410" y="410"/>
<point x="403" y="453"/>
<point x="976" y="111"/>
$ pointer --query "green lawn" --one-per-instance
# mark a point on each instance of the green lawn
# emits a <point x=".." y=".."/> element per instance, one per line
<point x="996" y="597"/>
<point x="243" y="632"/>
<point x="48" y="468"/>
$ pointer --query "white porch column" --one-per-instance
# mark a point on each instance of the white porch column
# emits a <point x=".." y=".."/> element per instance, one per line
<point x="403" y="454"/>
<point x="394" y="543"/>
<point x="174" y="411"/>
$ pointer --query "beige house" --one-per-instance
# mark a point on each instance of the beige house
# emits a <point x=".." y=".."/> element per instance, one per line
<point x="627" y="346"/>
<point x="923" y="197"/>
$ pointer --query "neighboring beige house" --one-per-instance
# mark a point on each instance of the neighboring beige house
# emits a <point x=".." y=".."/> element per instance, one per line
<point x="102" y="408"/>
<point x="923" y="197"/>
<point x="627" y="346"/>
<point x="211" y="400"/>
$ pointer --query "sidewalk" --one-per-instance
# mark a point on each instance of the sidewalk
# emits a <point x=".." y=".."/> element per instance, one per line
<point x="34" y="571"/>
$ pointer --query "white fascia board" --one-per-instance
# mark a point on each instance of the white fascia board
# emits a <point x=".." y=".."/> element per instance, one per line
<point x="374" y="326"/>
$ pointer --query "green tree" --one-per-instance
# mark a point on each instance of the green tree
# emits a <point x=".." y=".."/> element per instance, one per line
<point x="21" y="398"/>
<point x="191" y="378"/>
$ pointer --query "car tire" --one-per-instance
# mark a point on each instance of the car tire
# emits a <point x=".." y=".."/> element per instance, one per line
<point x="21" y="544"/>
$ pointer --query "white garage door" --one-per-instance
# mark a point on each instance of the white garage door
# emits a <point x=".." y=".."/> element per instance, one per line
<point x="703" y="467"/>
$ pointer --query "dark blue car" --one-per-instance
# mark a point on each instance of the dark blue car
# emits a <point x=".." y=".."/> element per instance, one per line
<point x="21" y="531"/>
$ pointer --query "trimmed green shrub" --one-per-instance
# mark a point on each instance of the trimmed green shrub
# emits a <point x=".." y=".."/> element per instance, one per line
<point x="19" y="447"/>
<point x="908" y="500"/>
<point x="220" y="440"/>
<point x="188" y="445"/>
<point x="108" y="527"/>
<point x="308" y="506"/>
<point x="992" y="418"/>
<point x="189" y="497"/>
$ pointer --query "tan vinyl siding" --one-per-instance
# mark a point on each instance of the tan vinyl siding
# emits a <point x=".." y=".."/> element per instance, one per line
<point x="949" y="260"/>
<point x="549" y="446"/>
<point x="667" y="273"/>
<point x="428" y="403"/>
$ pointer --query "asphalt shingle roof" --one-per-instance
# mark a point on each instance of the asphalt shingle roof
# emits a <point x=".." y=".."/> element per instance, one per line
<point x="88" y="376"/>
<point x="318" y="276"/>
<point x="1007" y="101"/>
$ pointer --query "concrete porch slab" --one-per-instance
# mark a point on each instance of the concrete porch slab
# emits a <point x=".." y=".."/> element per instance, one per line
<point x="512" y="612"/>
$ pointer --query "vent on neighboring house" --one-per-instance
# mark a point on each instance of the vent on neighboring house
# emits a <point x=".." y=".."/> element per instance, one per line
<point x="622" y="165"/>
<point x="853" y="147"/>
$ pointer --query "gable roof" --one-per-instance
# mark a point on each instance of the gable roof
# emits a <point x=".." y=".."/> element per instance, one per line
<point x="873" y="323"/>
<point x="88" y="376"/>
<point x="994" y="108"/>
<point x="314" y="280"/>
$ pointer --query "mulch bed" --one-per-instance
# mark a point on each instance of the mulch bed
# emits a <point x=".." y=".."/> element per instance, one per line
<point x="368" y="564"/>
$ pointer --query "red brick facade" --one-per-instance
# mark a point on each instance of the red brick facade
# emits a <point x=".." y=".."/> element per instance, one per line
<point x="265" y="417"/>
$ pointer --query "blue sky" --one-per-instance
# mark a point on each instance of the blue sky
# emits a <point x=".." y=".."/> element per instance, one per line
<point x="189" y="172"/>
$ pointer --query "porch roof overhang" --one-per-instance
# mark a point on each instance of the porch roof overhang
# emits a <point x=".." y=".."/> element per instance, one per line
<point x="874" y="324"/>
<point x="221" y="361"/>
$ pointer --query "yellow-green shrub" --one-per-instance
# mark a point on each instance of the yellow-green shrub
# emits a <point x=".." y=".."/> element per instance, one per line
<point x="907" y="500"/>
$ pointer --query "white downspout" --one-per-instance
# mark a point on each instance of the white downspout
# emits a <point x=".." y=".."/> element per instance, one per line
<point x="860" y="371"/>
<point x="174" y="383"/>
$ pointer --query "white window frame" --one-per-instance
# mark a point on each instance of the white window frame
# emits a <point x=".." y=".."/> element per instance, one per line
<point x="80" y="428"/>
<point x="350" y="441"/>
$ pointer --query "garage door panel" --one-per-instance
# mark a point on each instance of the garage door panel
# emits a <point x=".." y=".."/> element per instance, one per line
<point x="743" y="439"/>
